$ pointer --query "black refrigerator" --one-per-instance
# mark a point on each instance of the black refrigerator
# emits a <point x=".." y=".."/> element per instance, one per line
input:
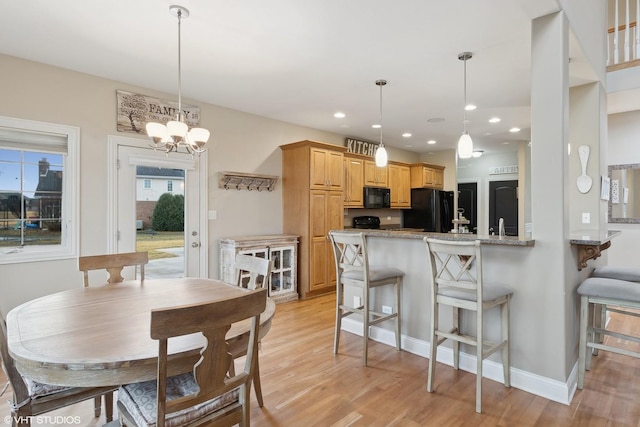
<point x="431" y="210"/>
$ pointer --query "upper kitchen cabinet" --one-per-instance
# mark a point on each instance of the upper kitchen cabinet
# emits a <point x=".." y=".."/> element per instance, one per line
<point x="312" y="205"/>
<point x="424" y="175"/>
<point x="375" y="176"/>
<point x="353" y="182"/>
<point x="326" y="168"/>
<point x="400" y="185"/>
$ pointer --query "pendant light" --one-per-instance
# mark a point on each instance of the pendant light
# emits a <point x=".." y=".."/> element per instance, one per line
<point x="381" y="152"/>
<point x="176" y="133"/>
<point x="465" y="144"/>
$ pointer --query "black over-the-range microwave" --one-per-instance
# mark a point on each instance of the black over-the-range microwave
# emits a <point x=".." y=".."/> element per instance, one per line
<point x="377" y="198"/>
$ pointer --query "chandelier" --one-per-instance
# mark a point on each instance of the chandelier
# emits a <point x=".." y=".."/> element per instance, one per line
<point x="465" y="144"/>
<point x="176" y="133"/>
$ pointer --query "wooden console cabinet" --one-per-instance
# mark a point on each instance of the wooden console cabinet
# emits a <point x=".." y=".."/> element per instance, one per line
<point x="312" y="202"/>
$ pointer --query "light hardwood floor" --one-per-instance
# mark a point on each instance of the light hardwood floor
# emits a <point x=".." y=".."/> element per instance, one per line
<point x="304" y="384"/>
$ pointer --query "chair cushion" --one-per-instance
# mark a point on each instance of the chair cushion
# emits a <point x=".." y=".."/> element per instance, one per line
<point x="490" y="292"/>
<point x="141" y="401"/>
<point x="621" y="273"/>
<point x="37" y="389"/>
<point x="375" y="273"/>
<point x="610" y="288"/>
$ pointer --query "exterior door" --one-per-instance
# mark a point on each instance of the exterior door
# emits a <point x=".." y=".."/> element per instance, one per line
<point x="126" y="155"/>
<point x="503" y="203"/>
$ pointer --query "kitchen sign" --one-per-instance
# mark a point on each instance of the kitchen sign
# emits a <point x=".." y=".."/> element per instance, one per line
<point x="357" y="146"/>
<point x="502" y="170"/>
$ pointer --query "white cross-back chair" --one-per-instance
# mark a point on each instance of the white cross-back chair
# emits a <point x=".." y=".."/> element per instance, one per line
<point x="457" y="281"/>
<point x="353" y="269"/>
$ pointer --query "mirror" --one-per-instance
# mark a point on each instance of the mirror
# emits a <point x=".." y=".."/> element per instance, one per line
<point x="624" y="203"/>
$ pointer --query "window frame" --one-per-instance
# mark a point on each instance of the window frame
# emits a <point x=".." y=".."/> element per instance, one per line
<point x="70" y="195"/>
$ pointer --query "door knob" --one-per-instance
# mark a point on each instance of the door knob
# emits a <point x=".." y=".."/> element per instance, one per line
<point x="195" y="244"/>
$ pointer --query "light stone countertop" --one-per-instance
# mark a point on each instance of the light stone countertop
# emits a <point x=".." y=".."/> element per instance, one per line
<point x="417" y="234"/>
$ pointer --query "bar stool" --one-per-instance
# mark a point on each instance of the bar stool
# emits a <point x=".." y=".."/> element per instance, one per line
<point x="353" y="269"/>
<point x="456" y="283"/>
<point x="612" y="295"/>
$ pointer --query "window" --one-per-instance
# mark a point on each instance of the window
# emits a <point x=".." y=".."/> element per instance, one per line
<point x="147" y="183"/>
<point x="38" y="190"/>
<point x="170" y="186"/>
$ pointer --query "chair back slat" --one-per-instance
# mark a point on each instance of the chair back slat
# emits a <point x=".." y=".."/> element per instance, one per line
<point x="350" y="251"/>
<point x="456" y="264"/>
<point x="114" y="264"/>
<point x="252" y="272"/>
<point x="213" y="320"/>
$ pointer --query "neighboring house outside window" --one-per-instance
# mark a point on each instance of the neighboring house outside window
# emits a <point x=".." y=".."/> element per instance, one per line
<point x="38" y="191"/>
<point x="146" y="196"/>
<point x="170" y="186"/>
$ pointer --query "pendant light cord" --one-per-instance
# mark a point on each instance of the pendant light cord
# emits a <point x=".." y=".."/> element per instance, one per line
<point x="381" y="84"/>
<point x="179" y="68"/>
<point x="464" y="109"/>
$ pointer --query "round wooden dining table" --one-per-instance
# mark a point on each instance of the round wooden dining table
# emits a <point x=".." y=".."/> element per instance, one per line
<point x="99" y="336"/>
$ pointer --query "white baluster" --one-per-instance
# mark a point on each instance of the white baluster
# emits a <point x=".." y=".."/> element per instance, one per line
<point x="615" y="36"/>
<point x="627" y="34"/>
<point x="637" y="32"/>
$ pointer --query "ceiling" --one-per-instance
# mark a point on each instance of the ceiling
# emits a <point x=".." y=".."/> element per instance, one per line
<point x="300" y="61"/>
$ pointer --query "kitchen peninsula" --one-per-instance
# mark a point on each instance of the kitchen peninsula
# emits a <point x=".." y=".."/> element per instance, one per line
<point x="502" y="260"/>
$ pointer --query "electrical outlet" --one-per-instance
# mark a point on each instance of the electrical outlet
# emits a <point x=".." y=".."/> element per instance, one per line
<point x="386" y="309"/>
<point x="357" y="302"/>
<point x="586" y="217"/>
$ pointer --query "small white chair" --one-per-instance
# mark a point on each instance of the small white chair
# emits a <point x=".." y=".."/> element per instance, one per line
<point x="353" y="269"/>
<point x="456" y="281"/>
<point x="610" y="295"/>
<point x="252" y="273"/>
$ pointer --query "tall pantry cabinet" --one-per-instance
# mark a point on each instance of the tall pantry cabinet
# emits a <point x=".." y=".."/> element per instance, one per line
<point x="312" y="198"/>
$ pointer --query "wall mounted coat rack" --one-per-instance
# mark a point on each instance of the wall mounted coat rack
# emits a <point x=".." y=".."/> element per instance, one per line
<point x="246" y="181"/>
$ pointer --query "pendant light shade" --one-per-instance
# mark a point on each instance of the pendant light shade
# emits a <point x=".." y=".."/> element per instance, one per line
<point x="176" y="133"/>
<point x="381" y="152"/>
<point x="465" y="144"/>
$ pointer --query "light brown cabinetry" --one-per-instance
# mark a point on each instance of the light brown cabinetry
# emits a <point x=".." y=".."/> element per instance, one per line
<point x="375" y="176"/>
<point x="400" y="185"/>
<point x="426" y="175"/>
<point x="326" y="169"/>
<point x="353" y="182"/>
<point x="312" y="200"/>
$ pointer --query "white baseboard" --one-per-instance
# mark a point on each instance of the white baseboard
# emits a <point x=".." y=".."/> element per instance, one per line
<point x="558" y="391"/>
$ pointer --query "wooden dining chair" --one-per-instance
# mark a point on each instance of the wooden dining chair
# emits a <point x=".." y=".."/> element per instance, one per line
<point x="251" y="273"/>
<point x="31" y="398"/>
<point x="207" y="393"/>
<point x="114" y="264"/>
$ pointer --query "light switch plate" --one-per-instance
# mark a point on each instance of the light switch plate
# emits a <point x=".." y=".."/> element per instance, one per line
<point x="586" y="217"/>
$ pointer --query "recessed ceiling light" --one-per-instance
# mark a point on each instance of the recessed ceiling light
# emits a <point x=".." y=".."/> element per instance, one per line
<point x="431" y="141"/>
<point x="406" y="135"/>
<point x="477" y="153"/>
<point x="339" y="115"/>
<point x="436" y="120"/>
<point x="376" y="126"/>
<point x="514" y="130"/>
<point x="506" y="143"/>
<point x="470" y="107"/>
<point x="345" y="126"/>
<point x="494" y="120"/>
